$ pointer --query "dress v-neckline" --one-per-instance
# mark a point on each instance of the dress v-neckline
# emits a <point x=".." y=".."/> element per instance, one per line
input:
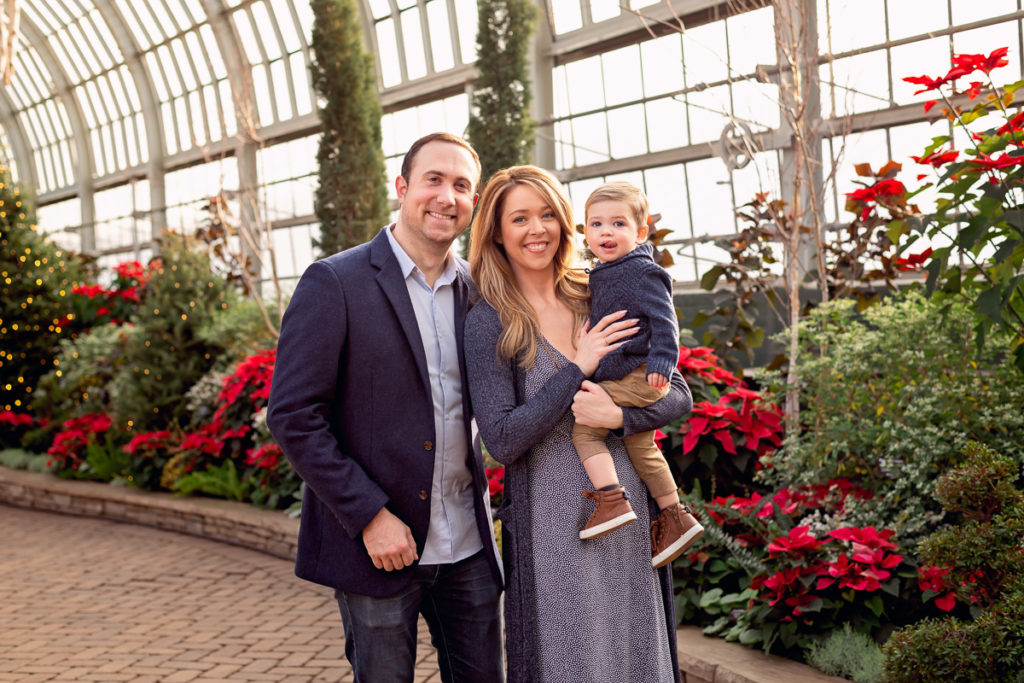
<point x="552" y="348"/>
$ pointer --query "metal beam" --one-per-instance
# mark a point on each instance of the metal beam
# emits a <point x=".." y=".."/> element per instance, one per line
<point x="63" y="91"/>
<point x="132" y="55"/>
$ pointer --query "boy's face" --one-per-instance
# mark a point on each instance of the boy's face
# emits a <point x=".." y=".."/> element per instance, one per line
<point x="612" y="231"/>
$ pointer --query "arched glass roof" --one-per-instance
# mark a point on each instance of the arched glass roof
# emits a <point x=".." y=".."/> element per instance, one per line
<point x="125" y="115"/>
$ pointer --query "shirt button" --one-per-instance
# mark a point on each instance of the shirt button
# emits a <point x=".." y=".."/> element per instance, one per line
<point x="428" y="445"/>
<point x="423" y="495"/>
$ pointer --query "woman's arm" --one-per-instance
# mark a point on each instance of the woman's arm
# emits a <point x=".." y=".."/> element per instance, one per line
<point x="508" y="429"/>
<point x="592" y="406"/>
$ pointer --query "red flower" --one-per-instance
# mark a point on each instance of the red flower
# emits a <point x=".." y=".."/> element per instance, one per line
<point x="265" y="457"/>
<point x="985" y="162"/>
<point x="913" y="261"/>
<point x="495" y="480"/>
<point x="15" y="419"/>
<point x="797" y="541"/>
<point x="937" y="158"/>
<point x="702" y="361"/>
<point x="928" y="82"/>
<point x="147" y="441"/>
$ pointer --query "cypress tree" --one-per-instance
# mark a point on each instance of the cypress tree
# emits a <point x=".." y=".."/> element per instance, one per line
<point x="500" y="126"/>
<point x="351" y="199"/>
<point x="36" y="281"/>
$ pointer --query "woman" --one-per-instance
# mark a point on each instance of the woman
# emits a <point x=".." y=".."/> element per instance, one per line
<point x="574" y="610"/>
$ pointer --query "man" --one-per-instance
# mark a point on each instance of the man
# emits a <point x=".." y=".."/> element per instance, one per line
<point x="369" y="405"/>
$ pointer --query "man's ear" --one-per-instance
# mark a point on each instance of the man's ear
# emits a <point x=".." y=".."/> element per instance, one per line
<point x="400" y="187"/>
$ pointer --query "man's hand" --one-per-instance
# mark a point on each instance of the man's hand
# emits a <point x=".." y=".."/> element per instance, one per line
<point x="389" y="542"/>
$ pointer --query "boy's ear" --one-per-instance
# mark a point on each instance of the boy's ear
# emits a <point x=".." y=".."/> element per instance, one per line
<point x="641" y="233"/>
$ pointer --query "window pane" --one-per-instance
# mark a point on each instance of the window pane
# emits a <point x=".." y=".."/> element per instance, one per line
<point x="628" y="131"/>
<point x="622" y="82"/>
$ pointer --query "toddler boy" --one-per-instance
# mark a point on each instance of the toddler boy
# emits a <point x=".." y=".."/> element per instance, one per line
<point x="636" y="374"/>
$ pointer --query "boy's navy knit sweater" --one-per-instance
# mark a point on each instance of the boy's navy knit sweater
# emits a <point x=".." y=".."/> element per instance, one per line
<point x="636" y="284"/>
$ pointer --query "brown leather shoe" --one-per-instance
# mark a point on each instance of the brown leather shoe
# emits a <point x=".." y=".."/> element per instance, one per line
<point x="672" y="533"/>
<point x="611" y="510"/>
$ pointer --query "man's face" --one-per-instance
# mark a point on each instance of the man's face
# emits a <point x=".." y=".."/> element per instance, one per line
<point x="437" y="199"/>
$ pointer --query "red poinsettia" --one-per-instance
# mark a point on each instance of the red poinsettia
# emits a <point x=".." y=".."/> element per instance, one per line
<point x="266" y="456"/>
<point x="702" y="362"/>
<point x="799" y="540"/>
<point x="9" y="417"/>
<point x="913" y="261"/>
<point x="937" y="158"/>
<point x="932" y="578"/>
<point x="963" y="64"/>
<point x="76" y="434"/>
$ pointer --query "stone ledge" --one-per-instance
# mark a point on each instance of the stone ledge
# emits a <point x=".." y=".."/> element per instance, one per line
<point x="706" y="659"/>
<point x="702" y="659"/>
<point x="267" y="531"/>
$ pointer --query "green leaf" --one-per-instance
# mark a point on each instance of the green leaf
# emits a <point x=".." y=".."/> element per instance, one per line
<point x="710" y="278"/>
<point x="699" y="319"/>
<point x="755" y="337"/>
<point x="1013" y="87"/>
<point x="896" y="229"/>
<point x="952" y="284"/>
<point x="751" y="636"/>
<point x="710" y="597"/>
<point x="892" y="587"/>
<point x="874" y="603"/>
<point x="989" y="304"/>
<point x="708" y="454"/>
<point x="976" y="227"/>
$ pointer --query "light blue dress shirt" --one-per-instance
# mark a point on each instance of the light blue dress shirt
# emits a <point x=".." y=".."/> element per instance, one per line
<point x="452" y="535"/>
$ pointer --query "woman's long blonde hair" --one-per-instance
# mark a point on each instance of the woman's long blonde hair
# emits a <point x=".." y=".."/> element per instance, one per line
<point x="492" y="272"/>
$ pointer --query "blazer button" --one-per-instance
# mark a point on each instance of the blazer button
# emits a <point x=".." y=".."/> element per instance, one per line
<point x="428" y="445"/>
<point x="424" y="495"/>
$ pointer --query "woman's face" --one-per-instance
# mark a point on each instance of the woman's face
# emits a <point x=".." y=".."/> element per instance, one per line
<point x="530" y="231"/>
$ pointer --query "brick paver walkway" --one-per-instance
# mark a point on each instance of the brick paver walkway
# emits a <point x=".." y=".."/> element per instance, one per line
<point x="92" y="600"/>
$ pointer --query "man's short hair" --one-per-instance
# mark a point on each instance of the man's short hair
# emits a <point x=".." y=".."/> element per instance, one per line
<point x="410" y="156"/>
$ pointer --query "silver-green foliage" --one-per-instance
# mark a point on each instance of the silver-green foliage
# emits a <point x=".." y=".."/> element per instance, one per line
<point x="849" y="654"/>
<point x="82" y="379"/>
<point x="890" y="398"/>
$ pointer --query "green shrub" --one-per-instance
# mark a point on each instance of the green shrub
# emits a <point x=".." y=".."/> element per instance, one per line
<point x="168" y="355"/>
<point x="943" y="650"/>
<point x="81" y="381"/>
<point x="890" y="399"/>
<point x="849" y="654"/>
<point x="982" y="556"/>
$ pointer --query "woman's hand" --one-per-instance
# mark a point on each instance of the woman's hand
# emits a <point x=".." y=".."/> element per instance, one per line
<point x="593" y="344"/>
<point x="593" y="407"/>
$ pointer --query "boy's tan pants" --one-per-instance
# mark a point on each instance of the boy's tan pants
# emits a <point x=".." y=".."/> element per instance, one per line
<point x="632" y="391"/>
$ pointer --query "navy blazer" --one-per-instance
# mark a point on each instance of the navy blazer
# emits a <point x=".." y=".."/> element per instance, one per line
<point x="350" y="406"/>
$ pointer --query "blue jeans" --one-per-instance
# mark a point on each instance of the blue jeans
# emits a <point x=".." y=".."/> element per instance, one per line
<point x="460" y="605"/>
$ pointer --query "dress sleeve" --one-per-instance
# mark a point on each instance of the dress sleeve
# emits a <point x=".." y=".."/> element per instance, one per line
<point x="510" y="428"/>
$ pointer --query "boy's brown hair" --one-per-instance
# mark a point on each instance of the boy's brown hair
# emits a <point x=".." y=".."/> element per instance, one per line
<point x="625" y="192"/>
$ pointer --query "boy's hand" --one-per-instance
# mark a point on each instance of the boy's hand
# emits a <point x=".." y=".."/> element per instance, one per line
<point x="656" y="381"/>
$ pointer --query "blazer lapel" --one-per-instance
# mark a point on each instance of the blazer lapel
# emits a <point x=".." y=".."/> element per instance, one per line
<point x="391" y="282"/>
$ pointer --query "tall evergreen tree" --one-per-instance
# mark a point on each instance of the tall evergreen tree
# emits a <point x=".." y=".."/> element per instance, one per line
<point x="500" y="127"/>
<point x="351" y="200"/>
<point x="36" y="281"/>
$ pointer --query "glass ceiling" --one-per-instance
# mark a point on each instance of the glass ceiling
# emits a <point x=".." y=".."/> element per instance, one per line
<point x="123" y="115"/>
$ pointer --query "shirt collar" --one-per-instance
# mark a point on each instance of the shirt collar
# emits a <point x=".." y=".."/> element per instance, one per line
<point x="409" y="267"/>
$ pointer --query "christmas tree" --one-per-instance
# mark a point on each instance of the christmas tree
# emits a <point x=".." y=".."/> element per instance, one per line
<point x="36" y="280"/>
